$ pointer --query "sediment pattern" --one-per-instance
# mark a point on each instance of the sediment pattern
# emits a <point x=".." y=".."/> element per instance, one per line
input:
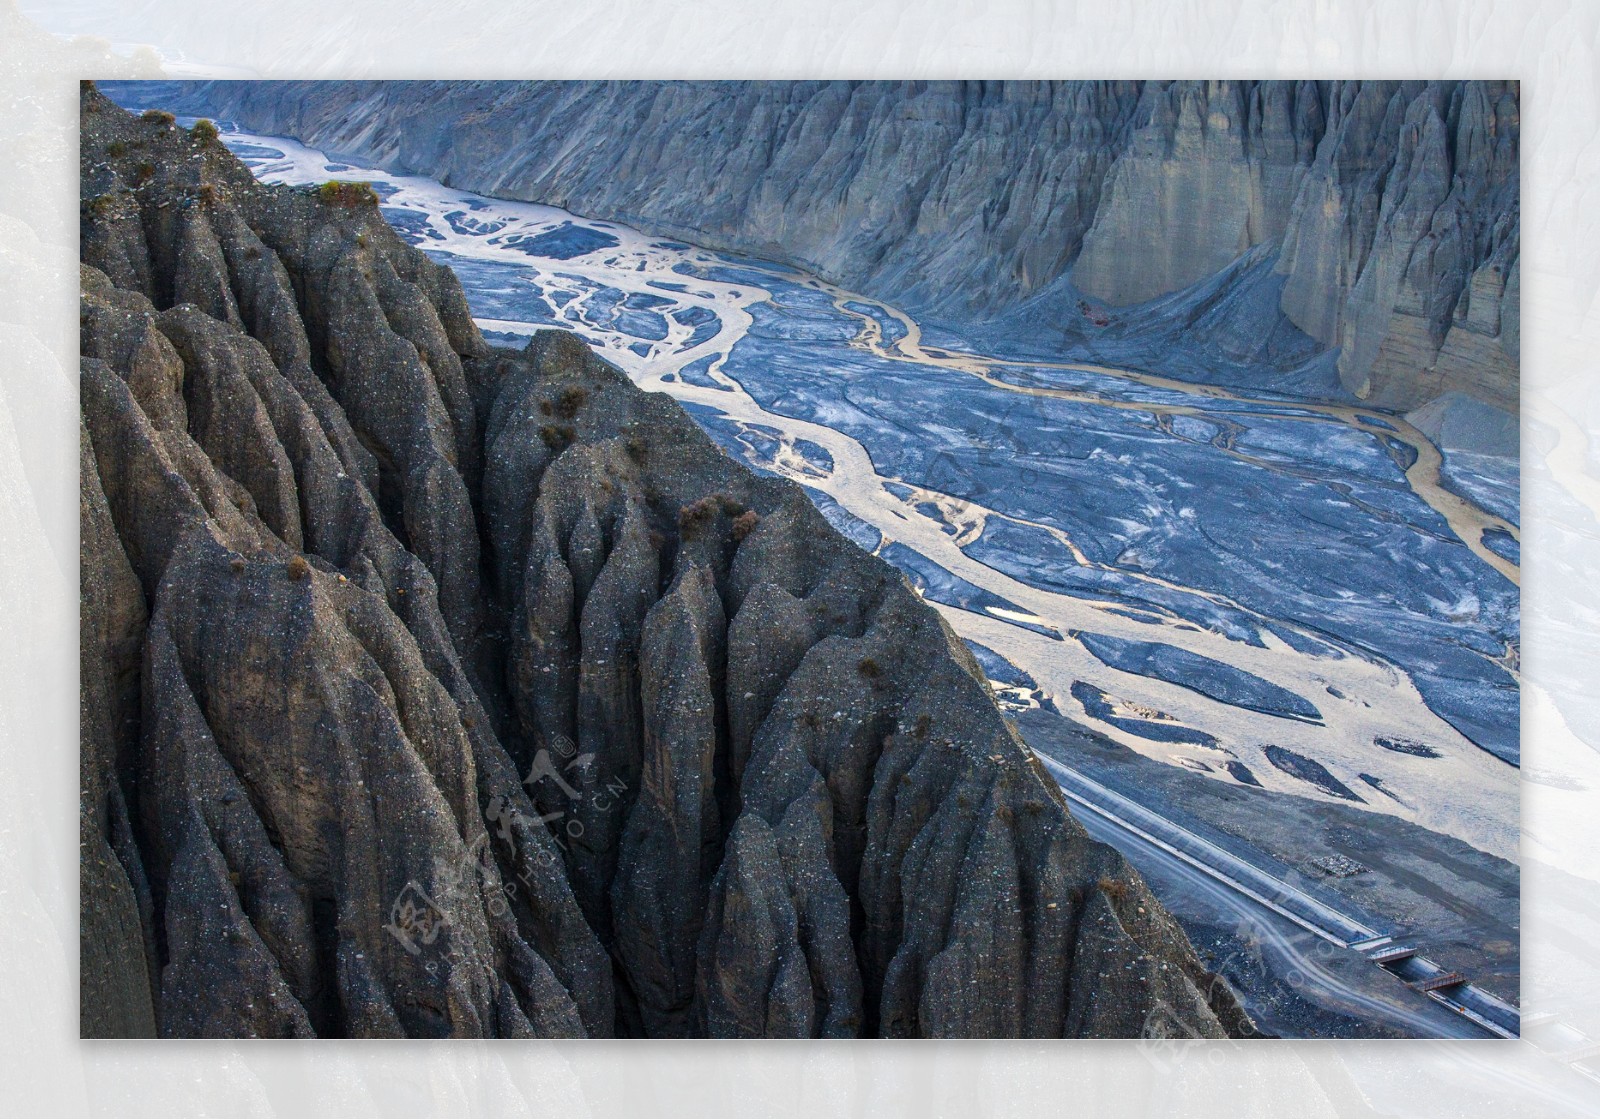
<point x="1385" y="213"/>
<point x="434" y="689"/>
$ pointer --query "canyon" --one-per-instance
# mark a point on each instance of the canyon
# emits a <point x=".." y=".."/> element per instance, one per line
<point x="432" y="687"/>
<point x="1357" y="236"/>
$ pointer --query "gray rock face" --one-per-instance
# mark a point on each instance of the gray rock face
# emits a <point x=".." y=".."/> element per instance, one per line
<point x="1402" y="248"/>
<point x="433" y="689"/>
<point x="1390" y="209"/>
<point x="1209" y="173"/>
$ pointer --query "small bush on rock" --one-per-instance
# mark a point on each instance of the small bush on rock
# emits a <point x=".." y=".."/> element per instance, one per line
<point x="696" y="515"/>
<point x="1113" y="889"/>
<point x="556" y="436"/>
<point x="745" y="524"/>
<point x="570" y="400"/>
<point x="338" y="192"/>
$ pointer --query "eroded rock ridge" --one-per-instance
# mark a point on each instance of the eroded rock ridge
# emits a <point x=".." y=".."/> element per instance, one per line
<point x="435" y="689"/>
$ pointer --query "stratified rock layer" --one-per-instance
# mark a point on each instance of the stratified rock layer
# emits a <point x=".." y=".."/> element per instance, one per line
<point x="1390" y="209"/>
<point x="432" y="689"/>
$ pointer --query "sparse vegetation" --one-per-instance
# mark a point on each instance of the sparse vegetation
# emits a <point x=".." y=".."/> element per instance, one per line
<point x="870" y="669"/>
<point x="568" y="402"/>
<point x="298" y="568"/>
<point x="144" y="173"/>
<point x="557" y="437"/>
<point x="157" y="116"/>
<point x="205" y="132"/>
<point x="207" y="194"/>
<point x="745" y="524"/>
<point x="338" y="192"/>
<point x="924" y="723"/>
<point x="695" y="516"/>
<point x="116" y="148"/>
<point x="1114" y="889"/>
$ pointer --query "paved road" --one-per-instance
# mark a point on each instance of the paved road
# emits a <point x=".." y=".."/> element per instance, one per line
<point x="1300" y="937"/>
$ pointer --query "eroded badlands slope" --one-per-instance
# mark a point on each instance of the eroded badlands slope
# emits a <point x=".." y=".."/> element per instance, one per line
<point x="430" y="688"/>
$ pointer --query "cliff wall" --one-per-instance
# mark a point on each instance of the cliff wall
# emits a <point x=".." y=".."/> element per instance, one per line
<point x="1389" y="209"/>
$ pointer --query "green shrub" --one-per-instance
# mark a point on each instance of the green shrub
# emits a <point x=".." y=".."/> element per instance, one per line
<point x="157" y="116"/>
<point x="204" y="131"/>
